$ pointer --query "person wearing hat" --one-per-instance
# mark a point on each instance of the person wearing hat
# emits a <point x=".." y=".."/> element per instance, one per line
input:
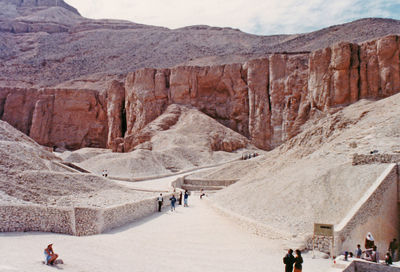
<point x="49" y="254"/>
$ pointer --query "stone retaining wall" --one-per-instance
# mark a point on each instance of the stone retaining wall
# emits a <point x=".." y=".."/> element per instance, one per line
<point x="21" y="218"/>
<point x="375" y="158"/>
<point x="361" y="266"/>
<point x="78" y="221"/>
<point x="209" y="182"/>
<point x="376" y="212"/>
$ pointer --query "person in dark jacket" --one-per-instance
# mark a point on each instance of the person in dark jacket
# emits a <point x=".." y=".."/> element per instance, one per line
<point x="288" y="260"/>
<point x="185" y="198"/>
<point x="298" y="260"/>
<point x="173" y="201"/>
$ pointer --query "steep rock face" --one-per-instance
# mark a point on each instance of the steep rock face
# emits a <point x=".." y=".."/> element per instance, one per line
<point x="57" y="117"/>
<point x="267" y="99"/>
<point x="115" y="112"/>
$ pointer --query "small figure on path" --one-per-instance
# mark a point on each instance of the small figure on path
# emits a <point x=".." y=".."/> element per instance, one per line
<point x="202" y="194"/>
<point x="180" y="198"/>
<point x="160" y="201"/>
<point x="288" y="260"/>
<point x="173" y="200"/>
<point x="49" y="254"/>
<point x="185" y="199"/>
<point x="358" y="251"/>
<point x="298" y="260"/>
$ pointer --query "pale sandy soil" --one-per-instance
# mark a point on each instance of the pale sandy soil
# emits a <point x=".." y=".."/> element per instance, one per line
<point x="189" y="239"/>
<point x="311" y="178"/>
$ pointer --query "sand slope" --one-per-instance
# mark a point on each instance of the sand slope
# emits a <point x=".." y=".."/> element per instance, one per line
<point x="310" y="178"/>
<point x="193" y="140"/>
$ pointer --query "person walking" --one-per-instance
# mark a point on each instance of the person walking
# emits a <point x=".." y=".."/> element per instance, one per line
<point x="288" y="260"/>
<point x="180" y="198"/>
<point x="173" y="201"/>
<point x="185" y="199"/>
<point x="298" y="261"/>
<point x="160" y="201"/>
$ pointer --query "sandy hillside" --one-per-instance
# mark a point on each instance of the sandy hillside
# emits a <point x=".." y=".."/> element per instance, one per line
<point x="310" y="178"/>
<point x="180" y="139"/>
<point x="30" y="174"/>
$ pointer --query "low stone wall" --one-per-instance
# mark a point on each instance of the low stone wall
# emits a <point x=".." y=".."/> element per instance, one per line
<point x="209" y="182"/>
<point x="78" y="221"/>
<point x="362" y="266"/>
<point x="120" y="215"/>
<point x="21" y="218"/>
<point x="377" y="212"/>
<point x="375" y="158"/>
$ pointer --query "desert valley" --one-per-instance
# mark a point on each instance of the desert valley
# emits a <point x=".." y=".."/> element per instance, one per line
<point x="279" y="133"/>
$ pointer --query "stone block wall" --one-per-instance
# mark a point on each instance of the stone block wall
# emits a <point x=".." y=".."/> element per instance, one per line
<point x="375" y="158"/>
<point x="78" y="221"/>
<point x="22" y="218"/>
<point x="361" y="266"/>
<point x="377" y="212"/>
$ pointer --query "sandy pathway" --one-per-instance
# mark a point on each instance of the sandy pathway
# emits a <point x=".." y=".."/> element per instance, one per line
<point x="189" y="239"/>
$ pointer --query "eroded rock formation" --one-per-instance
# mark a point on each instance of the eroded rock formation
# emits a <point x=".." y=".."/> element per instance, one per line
<point x="267" y="99"/>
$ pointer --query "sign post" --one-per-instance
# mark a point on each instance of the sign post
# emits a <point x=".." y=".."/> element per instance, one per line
<point x="324" y="230"/>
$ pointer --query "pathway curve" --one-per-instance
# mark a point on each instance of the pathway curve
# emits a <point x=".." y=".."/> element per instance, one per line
<point x="190" y="239"/>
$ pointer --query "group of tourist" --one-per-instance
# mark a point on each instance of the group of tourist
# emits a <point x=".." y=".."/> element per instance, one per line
<point x="371" y="251"/>
<point x="291" y="261"/>
<point x="173" y="200"/>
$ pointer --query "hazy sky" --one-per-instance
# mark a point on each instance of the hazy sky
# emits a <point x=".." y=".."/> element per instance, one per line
<point x="253" y="16"/>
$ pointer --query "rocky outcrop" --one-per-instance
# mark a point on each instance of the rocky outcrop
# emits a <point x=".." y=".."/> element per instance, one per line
<point x="57" y="117"/>
<point x="267" y="99"/>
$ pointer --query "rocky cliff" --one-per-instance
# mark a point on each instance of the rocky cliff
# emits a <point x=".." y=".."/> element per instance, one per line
<point x="267" y="99"/>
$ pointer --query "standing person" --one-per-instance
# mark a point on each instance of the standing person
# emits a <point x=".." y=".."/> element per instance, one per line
<point x="298" y="260"/>
<point x="393" y="248"/>
<point x="185" y="198"/>
<point x="160" y="201"/>
<point x="49" y="254"/>
<point x="105" y="173"/>
<point x="180" y="198"/>
<point x="358" y="251"/>
<point x="173" y="200"/>
<point x="288" y="260"/>
<point x="202" y="193"/>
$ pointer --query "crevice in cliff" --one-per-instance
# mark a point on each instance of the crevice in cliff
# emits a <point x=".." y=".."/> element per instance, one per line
<point x="123" y="121"/>
<point x="2" y="105"/>
<point x="359" y="73"/>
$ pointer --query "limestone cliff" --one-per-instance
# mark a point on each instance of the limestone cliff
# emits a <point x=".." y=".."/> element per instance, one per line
<point x="267" y="99"/>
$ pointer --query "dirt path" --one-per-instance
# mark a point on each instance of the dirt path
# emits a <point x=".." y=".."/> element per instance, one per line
<point x="189" y="239"/>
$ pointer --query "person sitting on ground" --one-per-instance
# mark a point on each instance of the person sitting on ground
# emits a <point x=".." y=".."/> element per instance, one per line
<point x="388" y="258"/>
<point x="49" y="254"/>
<point x="202" y="194"/>
<point x="358" y="251"/>
<point x="351" y="255"/>
<point x="375" y="255"/>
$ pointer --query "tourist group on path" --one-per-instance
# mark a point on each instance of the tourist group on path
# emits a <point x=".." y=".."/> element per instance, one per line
<point x="173" y="200"/>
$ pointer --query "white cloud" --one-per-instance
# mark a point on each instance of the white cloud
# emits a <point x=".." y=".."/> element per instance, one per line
<point x="253" y="16"/>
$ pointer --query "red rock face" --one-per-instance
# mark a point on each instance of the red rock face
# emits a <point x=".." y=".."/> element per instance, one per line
<point x="266" y="100"/>
<point x="56" y="117"/>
